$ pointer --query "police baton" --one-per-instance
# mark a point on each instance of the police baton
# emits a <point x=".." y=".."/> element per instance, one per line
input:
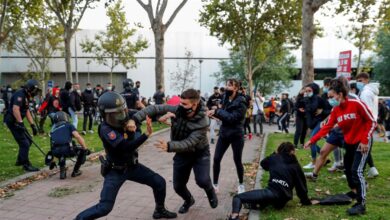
<point x="32" y="141"/>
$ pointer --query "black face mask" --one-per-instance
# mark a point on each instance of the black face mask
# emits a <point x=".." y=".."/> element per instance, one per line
<point x="229" y="92"/>
<point x="138" y="86"/>
<point x="185" y="111"/>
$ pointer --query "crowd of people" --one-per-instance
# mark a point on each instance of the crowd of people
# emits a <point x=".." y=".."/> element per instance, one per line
<point x="346" y="114"/>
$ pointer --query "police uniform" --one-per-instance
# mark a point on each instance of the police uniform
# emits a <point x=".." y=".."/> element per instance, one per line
<point x="122" y="163"/>
<point x="62" y="147"/>
<point x="17" y="129"/>
<point x="131" y="98"/>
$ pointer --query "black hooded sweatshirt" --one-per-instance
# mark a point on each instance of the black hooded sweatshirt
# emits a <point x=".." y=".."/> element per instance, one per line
<point x="312" y="104"/>
<point x="285" y="174"/>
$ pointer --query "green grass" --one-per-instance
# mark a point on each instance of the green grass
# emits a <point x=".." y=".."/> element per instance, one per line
<point x="9" y="148"/>
<point x="378" y="194"/>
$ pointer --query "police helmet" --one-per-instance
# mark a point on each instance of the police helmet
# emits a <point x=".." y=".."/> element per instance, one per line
<point x="128" y="84"/>
<point x="60" y="116"/>
<point x="112" y="107"/>
<point x="32" y="87"/>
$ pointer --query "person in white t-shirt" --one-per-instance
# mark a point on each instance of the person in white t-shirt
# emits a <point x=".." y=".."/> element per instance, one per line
<point x="258" y="113"/>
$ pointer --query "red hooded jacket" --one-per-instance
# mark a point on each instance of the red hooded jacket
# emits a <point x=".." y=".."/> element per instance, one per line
<point x="355" y="120"/>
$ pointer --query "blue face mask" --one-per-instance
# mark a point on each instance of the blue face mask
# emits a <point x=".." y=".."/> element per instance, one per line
<point x="325" y="90"/>
<point x="360" y="85"/>
<point x="310" y="94"/>
<point x="333" y="102"/>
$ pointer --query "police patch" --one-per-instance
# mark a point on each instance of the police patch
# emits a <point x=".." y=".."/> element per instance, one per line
<point x="112" y="135"/>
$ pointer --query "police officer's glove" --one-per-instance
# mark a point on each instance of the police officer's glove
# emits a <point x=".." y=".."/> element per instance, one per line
<point x="34" y="129"/>
<point x="20" y="126"/>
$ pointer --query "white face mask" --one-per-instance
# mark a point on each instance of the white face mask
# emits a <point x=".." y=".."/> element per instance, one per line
<point x="109" y="88"/>
<point x="89" y="88"/>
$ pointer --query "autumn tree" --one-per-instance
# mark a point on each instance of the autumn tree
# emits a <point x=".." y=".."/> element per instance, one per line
<point x="69" y="13"/>
<point x="184" y="78"/>
<point x="258" y="29"/>
<point x="114" y="46"/>
<point x="159" y="28"/>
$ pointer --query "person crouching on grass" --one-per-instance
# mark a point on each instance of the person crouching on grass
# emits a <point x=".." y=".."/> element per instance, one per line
<point x="285" y="175"/>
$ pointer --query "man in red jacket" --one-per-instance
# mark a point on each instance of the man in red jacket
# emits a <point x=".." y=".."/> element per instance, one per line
<point x="357" y="123"/>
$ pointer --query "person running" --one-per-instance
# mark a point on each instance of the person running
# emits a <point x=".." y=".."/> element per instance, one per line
<point x="357" y="123"/>
<point x="285" y="175"/>
<point x="232" y="115"/>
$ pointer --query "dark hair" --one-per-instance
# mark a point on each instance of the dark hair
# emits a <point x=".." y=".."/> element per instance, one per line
<point x="137" y="82"/>
<point x="363" y="76"/>
<point x="234" y="82"/>
<point x="215" y="87"/>
<point x="159" y="87"/>
<point x="222" y="89"/>
<point x="191" y="94"/>
<point x="338" y="86"/>
<point x="88" y="84"/>
<point x="285" y="148"/>
<point x="68" y="85"/>
<point x="327" y="81"/>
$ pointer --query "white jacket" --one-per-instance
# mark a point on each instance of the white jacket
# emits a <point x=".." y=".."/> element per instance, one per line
<point x="369" y="95"/>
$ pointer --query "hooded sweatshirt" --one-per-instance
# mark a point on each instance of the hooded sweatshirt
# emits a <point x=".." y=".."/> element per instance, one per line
<point x="353" y="118"/>
<point x="369" y="95"/>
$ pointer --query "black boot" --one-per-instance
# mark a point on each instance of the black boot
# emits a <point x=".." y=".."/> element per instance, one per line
<point x="162" y="212"/>
<point x="30" y="168"/>
<point x="76" y="173"/>
<point x="357" y="209"/>
<point x="76" y="169"/>
<point x="213" y="200"/>
<point x="62" y="172"/>
<point x="186" y="205"/>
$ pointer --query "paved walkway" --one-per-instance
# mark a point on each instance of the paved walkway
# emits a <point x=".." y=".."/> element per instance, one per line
<point x="134" y="201"/>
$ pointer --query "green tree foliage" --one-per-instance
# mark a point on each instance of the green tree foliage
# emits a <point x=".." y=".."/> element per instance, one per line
<point x="184" y="78"/>
<point x="274" y="75"/>
<point x="114" y="46"/>
<point x="249" y="25"/>
<point x="39" y="40"/>
<point x="69" y="14"/>
<point x="382" y="67"/>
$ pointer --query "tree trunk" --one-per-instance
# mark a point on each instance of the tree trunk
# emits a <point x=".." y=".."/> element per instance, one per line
<point x="159" y="61"/>
<point x="68" y="55"/>
<point x="358" y="69"/>
<point x="307" y="42"/>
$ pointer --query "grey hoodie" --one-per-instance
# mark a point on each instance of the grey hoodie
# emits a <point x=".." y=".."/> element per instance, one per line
<point x="369" y="95"/>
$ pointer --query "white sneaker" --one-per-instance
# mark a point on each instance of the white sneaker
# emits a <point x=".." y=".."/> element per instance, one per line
<point x="372" y="172"/>
<point x="91" y="131"/>
<point x="309" y="166"/>
<point x="240" y="188"/>
<point x="216" y="189"/>
<point x="333" y="168"/>
<point x="83" y="132"/>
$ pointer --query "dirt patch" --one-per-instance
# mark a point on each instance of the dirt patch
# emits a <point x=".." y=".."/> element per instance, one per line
<point x="60" y="192"/>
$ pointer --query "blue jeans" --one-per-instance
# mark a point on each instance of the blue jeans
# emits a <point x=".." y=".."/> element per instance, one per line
<point x="315" y="149"/>
<point x="75" y="120"/>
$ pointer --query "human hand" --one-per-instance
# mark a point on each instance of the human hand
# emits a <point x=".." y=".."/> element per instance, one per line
<point x="307" y="145"/>
<point x="210" y="113"/>
<point x="149" y="128"/>
<point x="20" y="126"/>
<point x="162" y="144"/>
<point x="301" y="109"/>
<point x="34" y="129"/>
<point x="319" y="111"/>
<point x="131" y="126"/>
<point x="363" y="148"/>
<point x="164" y="118"/>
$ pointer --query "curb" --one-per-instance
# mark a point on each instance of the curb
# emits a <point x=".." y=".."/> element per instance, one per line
<point x="255" y="214"/>
<point x="46" y="169"/>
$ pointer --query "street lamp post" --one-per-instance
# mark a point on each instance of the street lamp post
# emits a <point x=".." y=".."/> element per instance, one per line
<point x="75" y="57"/>
<point x="88" y="62"/>
<point x="200" y="74"/>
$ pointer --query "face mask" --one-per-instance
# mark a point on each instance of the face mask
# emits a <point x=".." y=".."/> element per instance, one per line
<point x="229" y="92"/>
<point x="185" y="111"/>
<point x="360" y="85"/>
<point x="79" y="91"/>
<point x="325" y="90"/>
<point x="9" y="90"/>
<point x="333" y="102"/>
<point x="138" y="86"/>
<point x="109" y="88"/>
<point x="309" y="94"/>
<point x="89" y="88"/>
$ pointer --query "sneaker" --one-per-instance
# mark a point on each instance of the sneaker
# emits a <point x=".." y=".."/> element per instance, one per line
<point x="309" y="166"/>
<point x="240" y="188"/>
<point x="212" y="141"/>
<point x="333" y="168"/>
<point x="343" y="176"/>
<point x="91" y="131"/>
<point x="30" y="168"/>
<point x="235" y="218"/>
<point x="186" y="205"/>
<point x="311" y="176"/>
<point x="83" y="132"/>
<point x="372" y="172"/>
<point x="76" y="173"/>
<point x="357" y="209"/>
<point x="216" y="189"/>
<point x="163" y="213"/>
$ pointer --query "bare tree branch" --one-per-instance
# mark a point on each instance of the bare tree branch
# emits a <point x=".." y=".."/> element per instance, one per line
<point x="162" y="10"/>
<point x="149" y="10"/>
<point x="316" y="4"/>
<point x="157" y="6"/>
<point x="175" y="13"/>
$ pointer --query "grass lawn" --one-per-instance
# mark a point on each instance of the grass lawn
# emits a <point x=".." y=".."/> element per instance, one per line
<point x="378" y="194"/>
<point x="9" y="148"/>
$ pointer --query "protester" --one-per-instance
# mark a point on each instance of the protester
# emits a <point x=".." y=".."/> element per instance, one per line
<point x="65" y="97"/>
<point x="87" y="98"/>
<point x="52" y="105"/>
<point x="284" y="112"/>
<point x="247" y="123"/>
<point x="300" y="121"/>
<point x="159" y="96"/>
<point x="214" y="102"/>
<point x="258" y="113"/>
<point x="75" y="104"/>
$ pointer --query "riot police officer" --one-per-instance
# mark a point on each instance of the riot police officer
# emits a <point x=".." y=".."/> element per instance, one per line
<point x="19" y="108"/>
<point x="120" y="141"/>
<point x="130" y="95"/>
<point x="62" y="145"/>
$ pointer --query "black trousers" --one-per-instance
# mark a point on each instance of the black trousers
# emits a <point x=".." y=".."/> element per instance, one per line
<point x="223" y="144"/>
<point x="182" y="166"/>
<point x="88" y="115"/>
<point x="65" y="152"/>
<point x="262" y="197"/>
<point x="282" y="122"/>
<point x="300" y="130"/>
<point x="354" y="163"/>
<point x="247" y="125"/>
<point x="23" y="141"/>
<point x="113" y="182"/>
<point x="258" y="119"/>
